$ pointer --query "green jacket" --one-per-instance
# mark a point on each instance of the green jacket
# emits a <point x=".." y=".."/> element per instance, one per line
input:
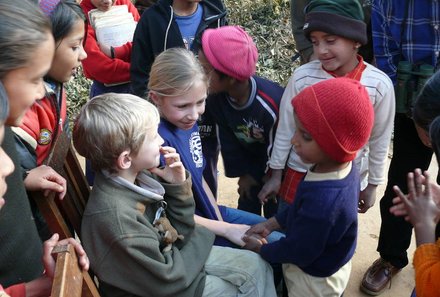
<point x="124" y="247"/>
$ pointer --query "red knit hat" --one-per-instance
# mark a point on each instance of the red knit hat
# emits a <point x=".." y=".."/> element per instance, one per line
<point x="230" y="50"/>
<point x="338" y="115"/>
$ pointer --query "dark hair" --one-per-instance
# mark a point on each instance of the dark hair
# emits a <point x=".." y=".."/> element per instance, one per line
<point x="434" y="134"/>
<point x="63" y="18"/>
<point x="4" y="104"/>
<point x="427" y="106"/>
<point x="23" y="28"/>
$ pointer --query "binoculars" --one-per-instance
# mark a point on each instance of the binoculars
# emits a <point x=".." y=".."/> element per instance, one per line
<point x="410" y="81"/>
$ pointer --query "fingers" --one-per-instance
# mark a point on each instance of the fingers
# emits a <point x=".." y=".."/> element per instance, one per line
<point x="48" y="261"/>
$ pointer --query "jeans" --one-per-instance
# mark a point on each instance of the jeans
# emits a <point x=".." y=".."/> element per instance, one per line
<point x="233" y="272"/>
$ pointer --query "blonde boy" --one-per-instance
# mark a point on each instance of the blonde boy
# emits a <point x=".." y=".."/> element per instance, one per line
<point x="119" y="134"/>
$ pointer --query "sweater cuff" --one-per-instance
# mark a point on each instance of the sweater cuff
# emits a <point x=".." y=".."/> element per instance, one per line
<point x="425" y="252"/>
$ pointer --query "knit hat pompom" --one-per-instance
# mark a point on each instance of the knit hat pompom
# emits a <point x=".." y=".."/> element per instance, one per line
<point x="338" y="17"/>
<point x="230" y="50"/>
<point x="338" y="115"/>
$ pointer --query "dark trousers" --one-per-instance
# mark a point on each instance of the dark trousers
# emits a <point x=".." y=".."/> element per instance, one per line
<point x="253" y="205"/>
<point x="409" y="153"/>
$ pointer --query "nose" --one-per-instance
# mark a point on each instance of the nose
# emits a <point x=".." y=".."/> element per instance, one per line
<point x="294" y="140"/>
<point x="41" y="90"/>
<point x="7" y="166"/>
<point x="82" y="54"/>
<point x="320" y="48"/>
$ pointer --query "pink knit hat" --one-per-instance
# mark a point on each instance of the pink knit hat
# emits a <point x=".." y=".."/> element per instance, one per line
<point x="230" y="50"/>
<point x="338" y="114"/>
<point x="48" y="6"/>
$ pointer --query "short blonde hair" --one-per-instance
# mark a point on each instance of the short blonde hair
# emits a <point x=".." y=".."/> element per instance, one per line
<point x="174" y="72"/>
<point x="109" y="124"/>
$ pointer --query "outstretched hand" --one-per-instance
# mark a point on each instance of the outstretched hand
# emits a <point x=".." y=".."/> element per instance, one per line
<point x="418" y="207"/>
<point x="173" y="172"/>
<point x="44" y="178"/>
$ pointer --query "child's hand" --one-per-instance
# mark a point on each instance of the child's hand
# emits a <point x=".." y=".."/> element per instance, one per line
<point x="421" y="210"/>
<point x="367" y="198"/>
<point x="253" y="243"/>
<point x="235" y="233"/>
<point x="271" y="187"/>
<point x="173" y="172"/>
<point x="44" y="178"/>
<point x="106" y="50"/>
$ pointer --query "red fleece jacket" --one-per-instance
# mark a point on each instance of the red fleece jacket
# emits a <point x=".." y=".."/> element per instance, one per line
<point x="97" y="65"/>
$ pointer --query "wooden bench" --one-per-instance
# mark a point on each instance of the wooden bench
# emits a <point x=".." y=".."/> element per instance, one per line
<point x="64" y="217"/>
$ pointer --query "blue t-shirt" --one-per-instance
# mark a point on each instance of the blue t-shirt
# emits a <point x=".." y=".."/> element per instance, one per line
<point x="188" y="26"/>
<point x="189" y="145"/>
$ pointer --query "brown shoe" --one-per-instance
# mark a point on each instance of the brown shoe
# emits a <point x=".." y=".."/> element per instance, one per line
<point x="378" y="277"/>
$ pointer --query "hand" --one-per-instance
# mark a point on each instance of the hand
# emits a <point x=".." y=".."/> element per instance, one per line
<point x="44" y="178"/>
<point x="253" y="243"/>
<point x="367" y="198"/>
<point x="271" y="187"/>
<point x="235" y="232"/>
<point x="48" y="260"/>
<point x="173" y="172"/>
<point x="263" y="229"/>
<point x="105" y="49"/>
<point x="245" y="184"/>
<point x="421" y="210"/>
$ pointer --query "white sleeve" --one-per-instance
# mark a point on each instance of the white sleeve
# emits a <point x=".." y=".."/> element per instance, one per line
<point x="384" y="110"/>
<point x="286" y="128"/>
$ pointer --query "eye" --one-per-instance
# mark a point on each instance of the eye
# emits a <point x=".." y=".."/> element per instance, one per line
<point x="306" y="136"/>
<point x="201" y="102"/>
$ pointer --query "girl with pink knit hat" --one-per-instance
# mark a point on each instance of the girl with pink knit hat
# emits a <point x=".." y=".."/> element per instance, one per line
<point x="334" y="119"/>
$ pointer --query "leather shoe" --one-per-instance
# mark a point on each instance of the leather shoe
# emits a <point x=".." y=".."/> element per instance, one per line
<point x="378" y="277"/>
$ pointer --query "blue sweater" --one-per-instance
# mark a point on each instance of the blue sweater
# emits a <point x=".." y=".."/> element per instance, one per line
<point x="321" y="226"/>
<point x="247" y="132"/>
<point x="188" y="144"/>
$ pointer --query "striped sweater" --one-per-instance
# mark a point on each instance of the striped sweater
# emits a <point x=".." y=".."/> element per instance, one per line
<point x="371" y="159"/>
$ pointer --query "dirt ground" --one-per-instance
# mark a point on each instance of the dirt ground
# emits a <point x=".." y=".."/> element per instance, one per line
<point x="369" y="225"/>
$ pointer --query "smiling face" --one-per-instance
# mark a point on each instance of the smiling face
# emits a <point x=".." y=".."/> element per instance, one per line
<point x="184" y="110"/>
<point x="24" y="85"/>
<point x="68" y="54"/>
<point x="337" y="54"/>
<point x="103" y="5"/>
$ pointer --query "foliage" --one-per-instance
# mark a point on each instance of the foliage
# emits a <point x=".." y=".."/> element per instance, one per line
<point x="267" y="21"/>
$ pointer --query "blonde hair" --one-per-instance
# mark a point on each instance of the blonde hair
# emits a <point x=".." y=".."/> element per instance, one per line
<point x="174" y="72"/>
<point x="111" y="123"/>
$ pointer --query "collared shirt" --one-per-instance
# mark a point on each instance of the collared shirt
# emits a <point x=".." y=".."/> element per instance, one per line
<point x="404" y="31"/>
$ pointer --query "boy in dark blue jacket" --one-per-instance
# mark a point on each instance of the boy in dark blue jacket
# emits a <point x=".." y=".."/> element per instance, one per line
<point x="245" y="109"/>
<point x="334" y="119"/>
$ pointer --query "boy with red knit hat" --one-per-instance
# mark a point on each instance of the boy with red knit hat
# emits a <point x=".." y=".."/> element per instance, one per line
<point x="334" y="119"/>
<point x="245" y="109"/>
<point x="336" y="30"/>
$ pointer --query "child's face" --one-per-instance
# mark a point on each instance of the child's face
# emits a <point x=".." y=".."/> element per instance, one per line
<point x="306" y="147"/>
<point x="69" y="54"/>
<point x="103" y="5"/>
<point x="216" y="84"/>
<point x="6" y="168"/>
<point x="149" y="154"/>
<point x="183" y="111"/>
<point x="24" y="85"/>
<point x="337" y="54"/>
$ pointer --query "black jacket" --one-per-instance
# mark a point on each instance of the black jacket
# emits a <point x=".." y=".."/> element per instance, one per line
<point x="157" y="31"/>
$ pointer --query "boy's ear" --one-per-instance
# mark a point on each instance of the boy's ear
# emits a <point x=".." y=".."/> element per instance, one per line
<point x="124" y="160"/>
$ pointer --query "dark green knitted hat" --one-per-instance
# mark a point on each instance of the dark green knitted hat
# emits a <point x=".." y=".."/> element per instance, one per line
<point x="339" y="17"/>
